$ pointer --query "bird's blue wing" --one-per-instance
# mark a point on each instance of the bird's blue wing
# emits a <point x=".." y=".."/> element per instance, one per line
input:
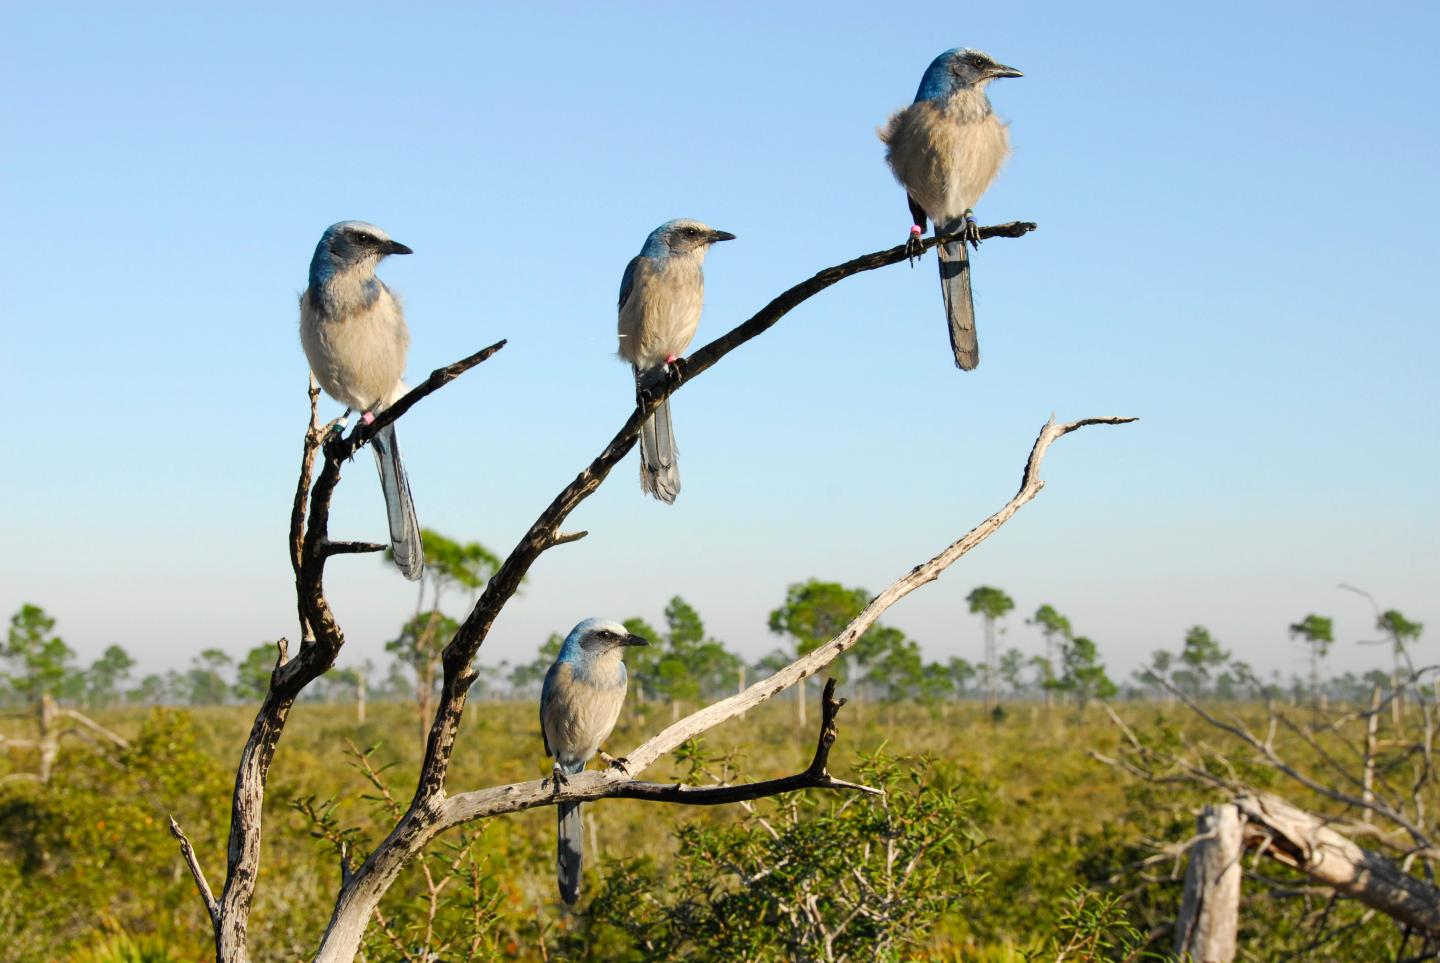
<point x="545" y="701"/>
<point x="627" y="281"/>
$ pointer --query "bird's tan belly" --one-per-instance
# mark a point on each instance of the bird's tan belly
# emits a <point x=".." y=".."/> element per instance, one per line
<point x="580" y="719"/>
<point x="344" y="357"/>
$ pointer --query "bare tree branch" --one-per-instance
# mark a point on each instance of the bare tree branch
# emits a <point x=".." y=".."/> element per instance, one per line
<point x="353" y="548"/>
<point x="438" y="379"/>
<point x="1272" y="758"/>
<point x="114" y="738"/>
<point x="188" y="852"/>
<point x="430" y="809"/>
<point x="320" y="642"/>
<point x="1210" y="906"/>
<point x="434" y="812"/>
<point x="711" y="716"/>
<point x="1303" y="841"/>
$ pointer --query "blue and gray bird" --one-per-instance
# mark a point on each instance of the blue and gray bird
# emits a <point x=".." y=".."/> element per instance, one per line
<point x="579" y="704"/>
<point x="354" y="334"/>
<point x="945" y="149"/>
<point x="661" y="295"/>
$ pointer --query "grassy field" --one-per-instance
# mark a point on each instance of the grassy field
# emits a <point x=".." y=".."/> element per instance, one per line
<point x="86" y="863"/>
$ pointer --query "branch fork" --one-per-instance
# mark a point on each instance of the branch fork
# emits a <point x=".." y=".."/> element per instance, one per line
<point x="431" y="809"/>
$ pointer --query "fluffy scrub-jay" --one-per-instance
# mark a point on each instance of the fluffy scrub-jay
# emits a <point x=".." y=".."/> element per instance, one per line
<point x="661" y="294"/>
<point x="579" y="704"/>
<point x="355" y="338"/>
<point x="945" y="149"/>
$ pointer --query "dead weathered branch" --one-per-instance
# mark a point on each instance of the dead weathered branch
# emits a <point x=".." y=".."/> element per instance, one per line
<point x="802" y="668"/>
<point x="188" y="851"/>
<point x="430" y="809"/>
<point x="438" y="379"/>
<point x="435" y="812"/>
<point x="321" y="639"/>
<point x="1210" y="907"/>
<point x="110" y="736"/>
<point x="353" y="548"/>
<point x="1266" y="749"/>
<point x="1306" y="842"/>
<point x="47" y="714"/>
<point x="814" y="776"/>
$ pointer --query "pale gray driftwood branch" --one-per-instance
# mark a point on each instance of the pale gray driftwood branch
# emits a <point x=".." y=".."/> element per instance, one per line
<point x="1306" y="842"/>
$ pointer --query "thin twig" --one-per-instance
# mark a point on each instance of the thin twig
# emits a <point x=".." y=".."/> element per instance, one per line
<point x="188" y="851"/>
<point x="353" y="548"/>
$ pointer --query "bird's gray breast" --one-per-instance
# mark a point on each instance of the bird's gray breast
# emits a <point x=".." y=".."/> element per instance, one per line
<point x="663" y="311"/>
<point x="947" y="154"/>
<point x="581" y="711"/>
<point x="356" y="349"/>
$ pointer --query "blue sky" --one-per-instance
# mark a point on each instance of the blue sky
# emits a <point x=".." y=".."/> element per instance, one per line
<point x="1238" y="212"/>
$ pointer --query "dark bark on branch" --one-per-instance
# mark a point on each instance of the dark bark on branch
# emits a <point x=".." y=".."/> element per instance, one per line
<point x="461" y="650"/>
<point x="815" y="776"/>
<point x="365" y="886"/>
<point x="431" y="810"/>
<point x="700" y="361"/>
<point x="353" y="548"/>
<point x="436" y="811"/>
<point x="438" y="379"/>
<point x="321" y="640"/>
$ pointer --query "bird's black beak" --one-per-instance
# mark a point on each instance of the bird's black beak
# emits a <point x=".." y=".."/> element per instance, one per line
<point x="395" y="247"/>
<point x="1000" y="70"/>
<point x="721" y="236"/>
<point x="634" y="640"/>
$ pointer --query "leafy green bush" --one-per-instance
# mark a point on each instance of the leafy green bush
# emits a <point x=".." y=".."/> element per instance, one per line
<point x="814" y="876"/>
<point x="97" y="833"/>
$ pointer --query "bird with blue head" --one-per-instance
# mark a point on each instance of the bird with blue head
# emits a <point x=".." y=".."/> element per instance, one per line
<point x="579" y="703"/>
<point x="945" y="150"/>
<point x="353" y="330"/>
<point x="661" y="296"/>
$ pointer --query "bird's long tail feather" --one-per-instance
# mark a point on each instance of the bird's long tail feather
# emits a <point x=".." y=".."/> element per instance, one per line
<point x="405" y="541"/>
<point x="568" y="856"/>
<point x="659" y="467"/>
<point x="959" y="306"/>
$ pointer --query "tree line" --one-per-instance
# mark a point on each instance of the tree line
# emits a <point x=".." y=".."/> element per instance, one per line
<point x="686" y="664"/>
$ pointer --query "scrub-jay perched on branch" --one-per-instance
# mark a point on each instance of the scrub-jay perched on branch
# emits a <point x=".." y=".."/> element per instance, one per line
<point x="355" y="338"/>
<point x="579" y="704"/>
<point x="945" y="149"/>
<point x="661" y="295"/>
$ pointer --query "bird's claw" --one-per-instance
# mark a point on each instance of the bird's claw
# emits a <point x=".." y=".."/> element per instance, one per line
<point x="669" y="377"/>
<point x="335" y="442"/>
<point x="914" y="249"/>
<point x="675" y="371"/>
<point x="616" y="762"/>
<point x="971" y="230"/>
<point x="558" y="777"/>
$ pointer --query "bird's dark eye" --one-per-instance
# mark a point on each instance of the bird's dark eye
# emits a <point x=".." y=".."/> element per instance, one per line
<point x="691" y="231"/>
